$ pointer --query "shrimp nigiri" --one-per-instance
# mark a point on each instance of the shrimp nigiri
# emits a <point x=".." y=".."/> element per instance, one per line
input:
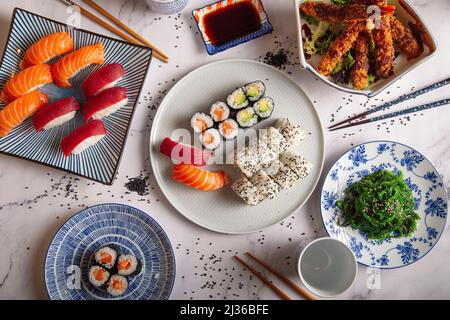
<point x="26" y="81"/>
<point x="70" y="64"/>
<point x="48" y="47"/>
<point x="198" y="178"/>
<point x="17" y="111"/>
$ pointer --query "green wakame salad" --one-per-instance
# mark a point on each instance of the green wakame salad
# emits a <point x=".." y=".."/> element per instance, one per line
<point x="380" y="205"/>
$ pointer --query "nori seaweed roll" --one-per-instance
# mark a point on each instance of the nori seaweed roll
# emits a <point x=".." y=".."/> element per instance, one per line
<point x="229" y="129"/>
<point x="210" y="139"/>
<point x="98" y="276"/>
<point x="247" y="191"/>
<point x="219" y="111"/>
<point x="117" y="285"/>
<point x="255" y="90"/>
<point x="264" y="107"/>
<point x="128" y="264"/>
<point x="201" y="121"/>
<point x="106" y="257"/>
<point x="237" y="99"/>
<point x="247" y="117"/>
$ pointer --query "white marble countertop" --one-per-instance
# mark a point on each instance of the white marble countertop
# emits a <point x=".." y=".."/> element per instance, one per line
<point x="36" y="200"/>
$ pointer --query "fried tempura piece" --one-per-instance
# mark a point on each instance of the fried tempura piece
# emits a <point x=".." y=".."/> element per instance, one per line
<point x="339" y="47"/>
<point x="404" y="38"/>
<point x="384" y="49"/>
<point x="334" y="14"/>
<point x="360" y="71"/>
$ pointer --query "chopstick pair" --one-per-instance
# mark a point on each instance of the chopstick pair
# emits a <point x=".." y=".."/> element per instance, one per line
<point x="269" y="283"/>
<point x="362" y="116"/>
<point x="156" y="52"/>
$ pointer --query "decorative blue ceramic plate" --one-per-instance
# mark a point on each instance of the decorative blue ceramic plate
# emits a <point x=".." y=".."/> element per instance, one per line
<point x="132" y="231"/>
<point x="430" y="200"/>
<point x="101" y="161"/>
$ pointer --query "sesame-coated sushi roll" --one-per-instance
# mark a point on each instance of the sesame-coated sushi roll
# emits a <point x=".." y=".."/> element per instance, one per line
<point x="284" y="176"/>
<point x="293" y="133"/>
<point x="247" y="160"/>
<point x="247" y="191"/>
<point x="273" y="138"/>
<point x="98" y="276"/>
<point x="229" y="129"/>
<point x="200" y="122"/>
<point x="237" y="99"/>
<point x="247" y="117"/>
<point x="296" y="163"/>
<point x="105" y="103"/>
<point x="266" y="155"/>
<point x="128" y="264"/>
<point x="210" y="139"/>
<point x="117" y="285"/>
<point x="102" y="79"/>
<point x="219" y="111"/>
<point x="264" y="107"/>
<point x="106" y="257"/>
<point x="265" y="184"/>
<point x="255" y="90"/>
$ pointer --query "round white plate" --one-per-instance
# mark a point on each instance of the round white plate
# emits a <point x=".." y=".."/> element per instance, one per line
<point x="222" y="210"/>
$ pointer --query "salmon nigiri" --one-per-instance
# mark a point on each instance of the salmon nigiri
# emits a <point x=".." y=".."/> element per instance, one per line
<point x="48" y="47"/>
<point x="17" y="111"/>
<point x="26" y="81"/>
<point x="198" y="178"/>
<point x="70" y="64"/>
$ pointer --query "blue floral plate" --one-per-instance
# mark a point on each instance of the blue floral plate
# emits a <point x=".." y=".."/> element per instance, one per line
<point x="430" y="200"/>
<point x="130" y="230"/>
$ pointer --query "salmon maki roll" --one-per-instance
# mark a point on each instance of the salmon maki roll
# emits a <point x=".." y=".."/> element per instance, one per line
<point x="83" y="137"/>
<point x="56" y="114"/>
<point x="48" y="47"/>
<point x="17" y="111"/>
<point x="198" y="178"/>
<point x="26" y="81"/>
<point x="102" y="79"/>
<point x="72" y="63"/>
<point x="105" y="103"/>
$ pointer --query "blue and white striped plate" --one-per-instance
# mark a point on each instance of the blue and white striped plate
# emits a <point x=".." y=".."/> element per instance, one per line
<point x="132" y="231"/>
<point x="101" y="161"/>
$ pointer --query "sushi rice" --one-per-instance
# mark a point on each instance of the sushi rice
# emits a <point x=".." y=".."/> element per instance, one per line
<point x="237" y="99"/>
<point x="255" y="90"/>
<point x="117" y="285"/>
<point x="266" y="186"/>
<point x="284" y="176"/>
<point x="219" y="111"/>
<point x="210" y="139"/>
<point x="127" y="264"/>
<point x="247" y="160"/>
<point x="247" y="117"/>
<point x="293" y="133"/>
<point x="110" y="109"/>
<point x="296" y="163"/>
<point x="106" y="257"/>
<point x="60" y="120"/>
<point x="264" y="107"/>
<point x="247" y="191"/>
<point x="229" y="129"/>
<point x="98" y="276"/>
<point x="201" y="121"/>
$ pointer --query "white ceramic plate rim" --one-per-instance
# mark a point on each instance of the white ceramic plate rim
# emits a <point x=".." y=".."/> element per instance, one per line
<point x="158" y="115"/>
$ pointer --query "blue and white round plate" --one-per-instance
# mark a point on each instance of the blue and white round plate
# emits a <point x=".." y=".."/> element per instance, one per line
<point x="71" y="252"/>
<point x="430" y="201"/>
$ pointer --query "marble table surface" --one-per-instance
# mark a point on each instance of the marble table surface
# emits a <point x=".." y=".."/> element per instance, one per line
<point x="36" y="200"/>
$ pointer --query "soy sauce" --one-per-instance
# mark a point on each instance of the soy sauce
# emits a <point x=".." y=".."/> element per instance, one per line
<point x="231" y="22"/>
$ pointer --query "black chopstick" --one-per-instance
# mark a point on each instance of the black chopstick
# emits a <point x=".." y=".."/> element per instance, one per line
<point x="422" y="107"/>
<point x="400" y="99"/>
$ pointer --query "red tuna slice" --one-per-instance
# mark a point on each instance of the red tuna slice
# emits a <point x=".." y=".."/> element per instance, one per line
<point x="91" y="129"/>
<point x="51" y="112"/>
<point x="105" y="103"/>
<point x="184" y="154"/>
<point x="102" y="79"/>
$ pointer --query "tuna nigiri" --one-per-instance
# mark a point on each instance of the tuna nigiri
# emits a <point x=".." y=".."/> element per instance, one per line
<point x="20" y="109"/>
<point x="83" y="137"/>
<point x="184" y="154"/>
<point x="48" y="47"/>
<point x="26" y="81"/>
<point x="105" y="103"/>
<point x="198" y="178"/>
<point x="72" y="63"/>
<point x="104" y="78"/>
<point x="56" y="113"/>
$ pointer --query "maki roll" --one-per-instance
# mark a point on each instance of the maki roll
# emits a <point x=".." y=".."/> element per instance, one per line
<point x="296" y="163"/>
<point x="283" y="175"/>
<point x="117" y="285"/>
<point x="106" y="257"/>
<point x="266" y="155"/>
<point x="255" y="90"/>
<point x="247" y="117"/>
<point x="219" y="111"/>
<point x="264" y="107"/>
<point x="98" y="276"/>
<point x="83" y="137"/>
<point x="229" y="129"/>
<point x="127" y="265"/>
<point x="247" y="191"/>
<point x="265" y="184"/>
<point x="210" y="139"/>
<point x="237" y="99"/>
<point x="273" y="139"/>
<point x="247" y="160"/>
<point x="293" y="133"/>
<point x="105" y="103"/>
<point x="200" y="122"/>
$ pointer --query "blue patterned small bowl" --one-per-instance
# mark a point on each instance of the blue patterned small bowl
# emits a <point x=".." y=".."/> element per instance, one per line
<point x="430" y="197"/>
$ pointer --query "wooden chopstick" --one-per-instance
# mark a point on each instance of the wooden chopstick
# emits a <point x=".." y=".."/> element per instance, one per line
<point x="93" y="17"/>
<point x="403" y="98"/>
<point x="266" y="281"/>
<point x="291" y="284"/>
<point x="122" y="25"/>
